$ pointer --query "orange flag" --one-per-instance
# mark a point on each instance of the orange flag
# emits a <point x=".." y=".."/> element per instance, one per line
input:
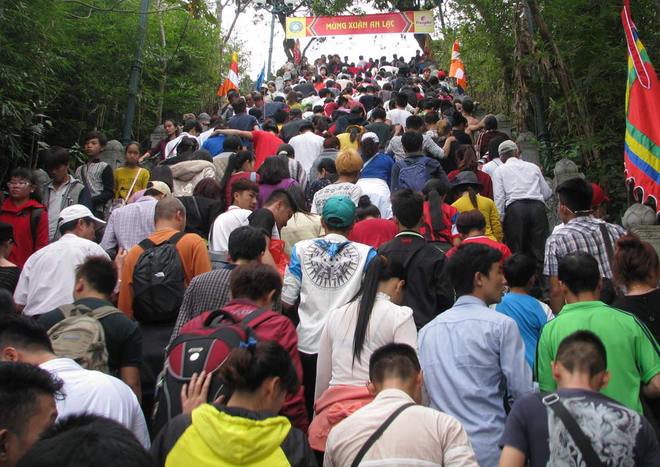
<point x="232" y="81"/>
<point x="457" y="69"/>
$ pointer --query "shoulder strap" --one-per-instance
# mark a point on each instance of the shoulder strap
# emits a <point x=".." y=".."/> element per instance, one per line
<point x="103" y="311"/>
<point x="174" y="239"/>
<point x="581" y="440"/>
<point x="35" y="218"/>
<point x="67" y="310"/>
<point x="148" y="244"/>
<point x="253" y="316"/>
<point x="607" y="240"/>
<point x="130" y="190"/>
<point x="378" y="433"/>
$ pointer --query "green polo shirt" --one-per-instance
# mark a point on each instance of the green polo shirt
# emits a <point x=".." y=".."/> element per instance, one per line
<point x="633" y="356"/>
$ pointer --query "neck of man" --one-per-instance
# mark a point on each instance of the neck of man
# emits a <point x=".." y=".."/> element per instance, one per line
<point x="57" y="184"/>
<point x="397" y="383"/>
<point x="478" y="293"/>
<point x="576" y="380"/>
<point x="587" y="296"/>
<point x="92" y="294"/>
<point x="475" y="233"/>
<point x="519" y="290"/>
<point x="38" y="357"/>
<point x="165" y="224"/>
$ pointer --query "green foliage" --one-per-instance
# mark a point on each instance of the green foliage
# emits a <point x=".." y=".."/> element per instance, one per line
<point x="71" y="62"/>
<point x="589" y="36"/>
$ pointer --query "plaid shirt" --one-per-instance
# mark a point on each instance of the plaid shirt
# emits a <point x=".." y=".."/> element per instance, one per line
<point x="208" y="291"/>
<point x="581" y="234"/>
<point x="129" y="225"/>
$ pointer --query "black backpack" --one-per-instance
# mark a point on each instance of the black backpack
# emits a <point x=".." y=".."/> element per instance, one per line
<point x="158" y="282"/>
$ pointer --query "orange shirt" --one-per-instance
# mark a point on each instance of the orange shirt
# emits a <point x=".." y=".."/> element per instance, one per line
<point x="194" y="258"/>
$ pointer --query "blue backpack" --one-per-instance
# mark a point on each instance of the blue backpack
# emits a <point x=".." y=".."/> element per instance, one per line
<point x="413" y="174"/>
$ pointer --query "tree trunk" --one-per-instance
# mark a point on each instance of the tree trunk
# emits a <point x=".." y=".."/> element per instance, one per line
<point x="163" y="61"/>
<point x="575" y="105"/>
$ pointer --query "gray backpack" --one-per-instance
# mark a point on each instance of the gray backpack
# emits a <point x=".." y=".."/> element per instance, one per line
<point x="80" y="336"/>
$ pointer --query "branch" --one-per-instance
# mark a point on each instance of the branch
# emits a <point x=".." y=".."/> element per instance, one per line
<point x="240" y="8"/>
<point x="113" y="8"/>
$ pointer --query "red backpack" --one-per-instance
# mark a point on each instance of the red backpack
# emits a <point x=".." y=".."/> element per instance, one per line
<point x="204" y="344"/>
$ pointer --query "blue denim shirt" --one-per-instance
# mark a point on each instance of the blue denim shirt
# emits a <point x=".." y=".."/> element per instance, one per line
<point x="472" y="356"/>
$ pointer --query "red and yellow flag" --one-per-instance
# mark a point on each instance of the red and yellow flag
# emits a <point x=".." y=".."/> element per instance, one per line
<point x="642" y="144"/>
<point x="231" y="81"/>
<point x="457" y="69"/>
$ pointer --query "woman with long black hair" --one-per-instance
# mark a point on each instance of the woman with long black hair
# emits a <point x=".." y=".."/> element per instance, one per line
<point x="439" y="217"/>
<point x="351" y="334"/>
<point x="240" y="165"/>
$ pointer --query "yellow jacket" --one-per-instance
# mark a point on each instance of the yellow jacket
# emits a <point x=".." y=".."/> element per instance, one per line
<point x="488" y="209"/>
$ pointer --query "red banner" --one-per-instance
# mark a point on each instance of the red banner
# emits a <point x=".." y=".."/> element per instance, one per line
<point x="383" y="23"/>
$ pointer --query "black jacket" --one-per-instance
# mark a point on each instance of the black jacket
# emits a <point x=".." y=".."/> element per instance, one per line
<point x="428" y="289"/>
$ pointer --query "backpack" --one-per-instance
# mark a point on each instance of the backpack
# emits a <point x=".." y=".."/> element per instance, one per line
<point x="80" y="336"/>
<point x="413" y="175"/>
<point x="158" y="282"/>
<point x="204" y="344"/>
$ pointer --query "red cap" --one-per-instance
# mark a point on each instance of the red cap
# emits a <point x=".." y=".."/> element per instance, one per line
<point x="599" y="197"/>
<point x="442" y="74"/>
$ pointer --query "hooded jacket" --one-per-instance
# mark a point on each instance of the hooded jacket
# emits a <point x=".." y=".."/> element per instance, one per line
<point x="20" y="219"/>
<point x="217" y="436"/>
<point x="188" y="174"/>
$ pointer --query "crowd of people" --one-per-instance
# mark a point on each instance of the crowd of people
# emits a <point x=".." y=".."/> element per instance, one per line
<point x="344" y="267"/>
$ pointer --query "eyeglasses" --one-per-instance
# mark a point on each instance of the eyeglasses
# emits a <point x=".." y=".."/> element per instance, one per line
<point x="18" y="183"/>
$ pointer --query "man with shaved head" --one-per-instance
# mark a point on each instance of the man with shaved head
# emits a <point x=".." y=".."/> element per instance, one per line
<point x="152" y="296"/>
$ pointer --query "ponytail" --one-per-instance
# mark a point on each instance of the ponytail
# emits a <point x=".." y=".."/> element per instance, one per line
<point x="249" y="365"/>
<point x="354" y="134"/>
<point x="473" y="197"/>
<point x="380" y="269"/>
<point x="435" y="190"/>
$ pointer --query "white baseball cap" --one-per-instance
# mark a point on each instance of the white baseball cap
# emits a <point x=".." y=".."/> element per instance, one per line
<point x="370" y="135"/>
<point x="75" y="212"/>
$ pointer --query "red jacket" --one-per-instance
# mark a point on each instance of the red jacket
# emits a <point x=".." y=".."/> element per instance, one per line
<point x="279" y="328"/>
<point x="449" y="215"/>
<point x="482" y="239"/>
<point x="19" y="218"/>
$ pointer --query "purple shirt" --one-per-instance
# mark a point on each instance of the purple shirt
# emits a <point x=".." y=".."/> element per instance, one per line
<point x="265" y="189"/>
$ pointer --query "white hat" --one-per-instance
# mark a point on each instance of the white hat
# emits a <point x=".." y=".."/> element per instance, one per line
<point x="75" y="212"/>
<point x="159" y="186"/>
<point x="506" y="147"/>
<point x="370" y="135"/>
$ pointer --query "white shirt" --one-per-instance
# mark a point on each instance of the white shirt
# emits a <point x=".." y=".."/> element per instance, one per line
<point x="307" y="147"/>
<point x="419" y="436"/>
<point x="170" y="149"/>
<point x="398" y="117"/>
<point x="325" y="273"/>
<point x="388" y="323"/>
<point x="379" y="194"/>
<point x="517" y="179"/>
<point x="491" y="166"/>
<point x="48" y="277"/>
<point x="204" y="136"/>
<point x="96" y="393"/>
<point x="351" y="190"/>
<point x="224" y="225"/>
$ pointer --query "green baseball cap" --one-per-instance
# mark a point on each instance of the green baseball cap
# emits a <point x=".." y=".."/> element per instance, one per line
<point x="339" y="212"/>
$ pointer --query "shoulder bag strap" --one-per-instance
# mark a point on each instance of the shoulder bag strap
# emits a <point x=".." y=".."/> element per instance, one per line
<point x="103" y="311"/>
<point x="130" y="190"/>
<point x="581" y="440"/>
<point x="378" y="433"/>
<point x="35" y="218"/>
<point x="607" y="240"/>
<point x="174" y="239"/>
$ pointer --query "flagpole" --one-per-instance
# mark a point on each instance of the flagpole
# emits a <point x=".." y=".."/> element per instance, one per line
<point x="270" y="48"/>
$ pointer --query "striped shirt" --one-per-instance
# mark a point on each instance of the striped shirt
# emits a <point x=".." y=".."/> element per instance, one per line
<point x="583" y="235"/>
<point x="208" y="291"/>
